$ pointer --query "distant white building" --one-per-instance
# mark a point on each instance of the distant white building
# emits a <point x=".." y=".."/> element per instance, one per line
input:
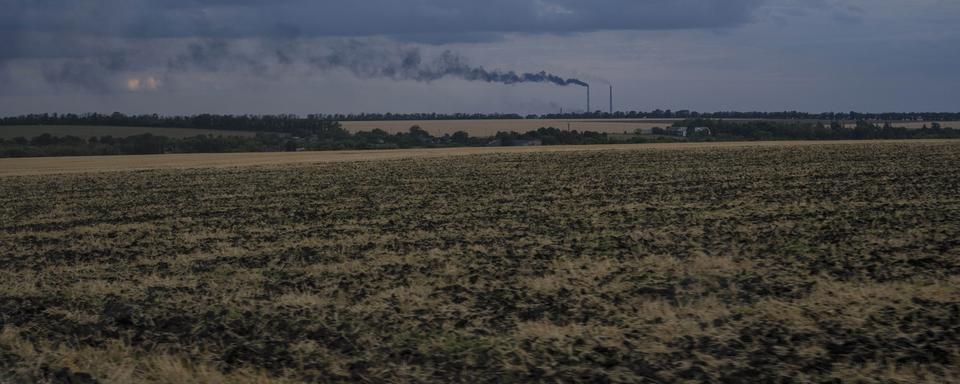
<point x="685" y="131"/>
<point x="702" y="130"/>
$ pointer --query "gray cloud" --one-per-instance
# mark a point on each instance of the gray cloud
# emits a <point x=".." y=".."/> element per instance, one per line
<point x="93" y="74"/>
<point x="842" y="11"/>
<point x="301" y="56"/>
<point x="86" y="40"/>
<point x="425" y="19"/>
<point x="4" y="76"/>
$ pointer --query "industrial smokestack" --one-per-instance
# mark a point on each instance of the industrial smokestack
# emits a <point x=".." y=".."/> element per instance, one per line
<point x="588" y="99"/>
<point x="611" y="99"/>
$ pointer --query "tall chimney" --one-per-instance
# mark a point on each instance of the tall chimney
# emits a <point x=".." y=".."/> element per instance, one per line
<point x="611" y="99"/>
<point x="588" y="99"/>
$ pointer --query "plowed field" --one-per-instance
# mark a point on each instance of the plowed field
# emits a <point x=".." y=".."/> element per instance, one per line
<point x="803" y="263"/>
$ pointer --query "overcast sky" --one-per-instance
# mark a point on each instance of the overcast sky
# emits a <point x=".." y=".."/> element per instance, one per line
<point x="301" y="56"/>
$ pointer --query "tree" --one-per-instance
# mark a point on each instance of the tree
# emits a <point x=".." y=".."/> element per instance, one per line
<point x="43" y="140"/>
<point x="460" y="137"/>
<point x="418" y="132"/>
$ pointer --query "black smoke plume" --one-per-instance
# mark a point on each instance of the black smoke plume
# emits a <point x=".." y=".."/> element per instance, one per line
<point x="453" y="65"/>
<point x="364" y="59"/>
<point x="372" y="61"/>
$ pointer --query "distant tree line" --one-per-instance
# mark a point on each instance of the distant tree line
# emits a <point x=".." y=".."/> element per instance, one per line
<point x="310" y="125"/>
<point x="785" y="130"/>
<point x="328" y="124"/>
<point x="555" y="136"/>
<point x="48" y="145"/>
<point x="415" y="137"/>
<point x="335" y="138"/>
<point x="657" y="114"/>
<point x="785" y="115"/>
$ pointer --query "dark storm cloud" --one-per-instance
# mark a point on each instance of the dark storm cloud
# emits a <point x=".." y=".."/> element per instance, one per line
<point x="421" y="19"/>
<point x="83" y="39"/>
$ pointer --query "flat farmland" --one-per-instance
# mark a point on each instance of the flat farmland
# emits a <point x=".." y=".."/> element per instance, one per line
<point x="491" y="127"/>
<point x="479" y="128"/>
<point x="80" y="164"/>
<point x="88" y="131"/>
<point x="808" y="262"/>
